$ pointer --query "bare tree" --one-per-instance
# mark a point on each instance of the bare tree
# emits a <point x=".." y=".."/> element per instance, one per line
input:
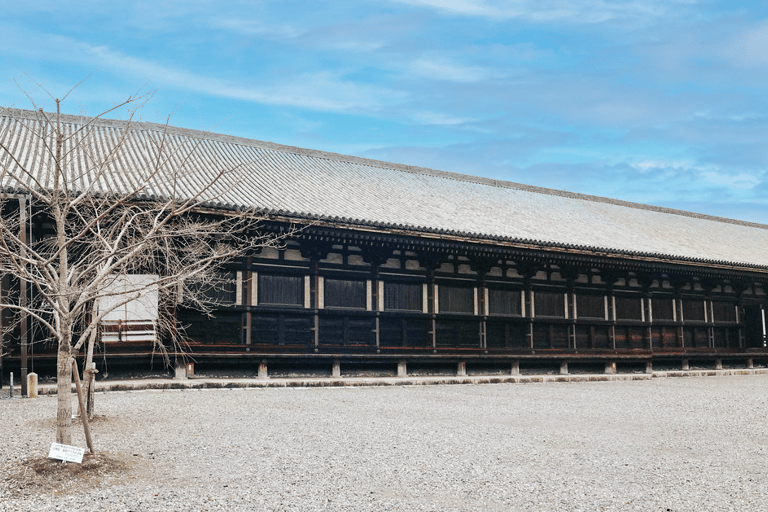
<point x="119" y="202"/>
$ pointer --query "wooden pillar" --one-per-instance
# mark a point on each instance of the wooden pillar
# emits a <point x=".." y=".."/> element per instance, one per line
<point x="571" y="274"/>
<point x="680" y="320"/>
<point x="249" y="300"/>
<point x="740" y="318"/>
<point x="528" y="305"/>
<point x="482" y="266"/>
<point x="648" y="342"/>
<point x="646" y="281"/>
<point x="610" y="279"/>
<point x="377" y="300"/>
<point x="481" y="311"/>
<point x="315" y="301"/>
<point x="23" y="298"/>
<point x="432" y="300"/>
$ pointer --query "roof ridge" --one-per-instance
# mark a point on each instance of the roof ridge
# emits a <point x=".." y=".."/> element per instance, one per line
<point x="147" y="125"/>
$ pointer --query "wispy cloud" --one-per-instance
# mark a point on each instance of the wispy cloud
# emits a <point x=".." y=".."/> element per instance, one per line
<point x="443" y="69"/>
<point x="747" y="48"/>
<point x="315" y="91"/>
<point x="256" y="27"/>
<point x="588" y="11"/>
<point x="438" y="118"/>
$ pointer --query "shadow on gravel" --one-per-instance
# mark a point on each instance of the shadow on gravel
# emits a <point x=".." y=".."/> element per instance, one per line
<point x="43" y="475"/>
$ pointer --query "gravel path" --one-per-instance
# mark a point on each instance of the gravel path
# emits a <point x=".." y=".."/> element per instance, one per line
<point x="663" y="444"/>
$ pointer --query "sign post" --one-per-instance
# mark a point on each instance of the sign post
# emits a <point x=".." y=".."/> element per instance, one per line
<point x="66" y="453"/>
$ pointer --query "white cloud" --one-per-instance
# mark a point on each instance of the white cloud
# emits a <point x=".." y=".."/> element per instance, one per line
<point x="254" y="27"/>
<point x="324" y="91"/>
<point x="319" y="91"/>
<point x="704" y="174"/>
<point x="579" y="11"/>
<point x="438" y="118"/>
<point x="441" y="69"/>
<point x="740" y="180"/>
<point x="747" y="48"/>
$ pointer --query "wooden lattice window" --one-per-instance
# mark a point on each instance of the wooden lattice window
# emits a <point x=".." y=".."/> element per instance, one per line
<point x="663" y="308"/>
<point x="590" y="306"/>
<point x="281" y="290"/>
<point x="456" y="299"/>
<point x="724" y="311"/>
<point x="693" y="310"/>
<point x="345" y="293"/>
<point x="629" y="308"/>
<point x="549" y="304"/>
<point x="504" y="302"/>
<point x="403" y="296"/>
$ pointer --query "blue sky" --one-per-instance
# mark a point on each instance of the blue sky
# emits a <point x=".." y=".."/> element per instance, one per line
<point x="659" y="102"/>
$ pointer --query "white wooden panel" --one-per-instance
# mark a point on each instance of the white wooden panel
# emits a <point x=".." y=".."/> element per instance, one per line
<point x="123" y="286"/>
<point x="368" y="295"/>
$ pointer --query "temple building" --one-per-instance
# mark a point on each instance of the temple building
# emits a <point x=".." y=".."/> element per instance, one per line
<point x="404" y="267"/>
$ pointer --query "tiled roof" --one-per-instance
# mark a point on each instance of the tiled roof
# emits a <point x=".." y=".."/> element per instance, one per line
<point x="297" y="182"/>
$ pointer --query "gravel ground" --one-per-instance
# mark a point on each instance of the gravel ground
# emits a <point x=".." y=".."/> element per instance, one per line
<point x="663" y="444"/>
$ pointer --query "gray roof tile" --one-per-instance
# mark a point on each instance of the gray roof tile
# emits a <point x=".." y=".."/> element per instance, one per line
<point x="302" y="182"/>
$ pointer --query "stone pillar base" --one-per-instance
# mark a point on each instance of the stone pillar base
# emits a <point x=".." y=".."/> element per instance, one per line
<point x="263" y="370"/>
<point x="32" y="385"/>
<point x="461" y="369"/>
<point x="180" y="371"/>
<point x="402" y="370"/>
<point x="610" y="367"/>
<point x="336" y="370"/>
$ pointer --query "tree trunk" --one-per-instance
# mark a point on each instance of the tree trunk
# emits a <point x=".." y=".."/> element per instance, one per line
<point x="63" y="393"/>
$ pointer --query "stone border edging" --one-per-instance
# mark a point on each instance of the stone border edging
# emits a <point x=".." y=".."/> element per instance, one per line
<point x="202" y="383"/>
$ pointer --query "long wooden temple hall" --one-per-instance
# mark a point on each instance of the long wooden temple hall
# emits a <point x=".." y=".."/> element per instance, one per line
<point x="409" y="269"/>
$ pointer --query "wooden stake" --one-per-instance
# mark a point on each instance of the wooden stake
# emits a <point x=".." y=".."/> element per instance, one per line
<point x="90" y="385"/>
<point x="81" y="403"/>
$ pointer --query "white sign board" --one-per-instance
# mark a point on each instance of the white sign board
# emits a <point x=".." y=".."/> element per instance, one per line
<point x="66" y="453"/>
